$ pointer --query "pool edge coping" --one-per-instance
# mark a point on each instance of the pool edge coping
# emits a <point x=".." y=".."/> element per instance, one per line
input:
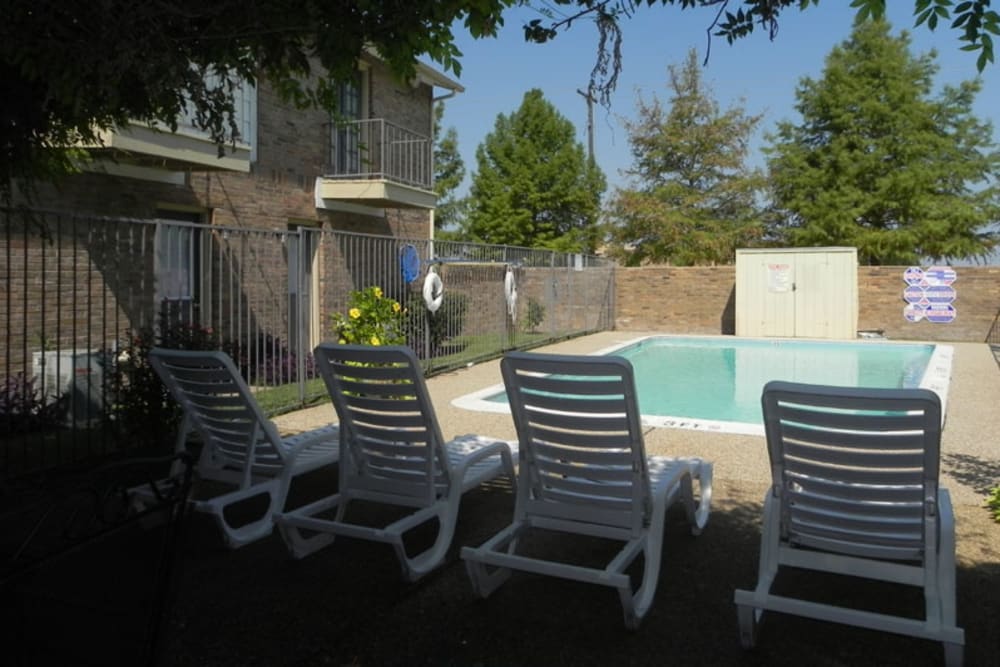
<point x="936" y="377"/>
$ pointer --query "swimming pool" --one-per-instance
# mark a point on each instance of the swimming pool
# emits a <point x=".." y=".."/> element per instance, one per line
<point x="714" y="383"/>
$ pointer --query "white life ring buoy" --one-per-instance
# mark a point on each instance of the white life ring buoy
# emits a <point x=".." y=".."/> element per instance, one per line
<point x="510" y="293"/>
<point x="433" y="290"/>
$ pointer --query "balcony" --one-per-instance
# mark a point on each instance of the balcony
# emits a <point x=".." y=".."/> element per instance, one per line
<point x="376" y="163"/>
<point x="156" y="147"/>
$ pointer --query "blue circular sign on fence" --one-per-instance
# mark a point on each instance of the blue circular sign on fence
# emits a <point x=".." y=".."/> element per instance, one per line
<point x="409" y="263"/>
<point x="940" y="313"/>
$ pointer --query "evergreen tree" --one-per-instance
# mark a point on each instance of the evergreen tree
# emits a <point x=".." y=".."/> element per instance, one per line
<point x="449" y="171"/>
<point x="694" y="200"/>
<point x="878" y="163"/>
<point x="534" y="186"/>
<point x="71" y="69"/>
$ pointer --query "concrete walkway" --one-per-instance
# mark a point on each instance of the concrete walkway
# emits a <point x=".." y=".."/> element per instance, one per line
<point x="970" y="456"/>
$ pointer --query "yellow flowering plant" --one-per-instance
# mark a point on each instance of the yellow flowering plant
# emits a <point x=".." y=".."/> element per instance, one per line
<point x="372" y="319"/>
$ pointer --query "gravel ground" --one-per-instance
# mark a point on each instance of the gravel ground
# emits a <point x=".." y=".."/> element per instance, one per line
<point x="346" y="605"/>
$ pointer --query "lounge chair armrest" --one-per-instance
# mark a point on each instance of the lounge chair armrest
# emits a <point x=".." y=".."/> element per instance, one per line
<point x="306" y="439"/>
<point x="499" y="447"/>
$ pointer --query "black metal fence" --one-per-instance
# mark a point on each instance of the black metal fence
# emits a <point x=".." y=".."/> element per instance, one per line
<point x="84" y="298"/>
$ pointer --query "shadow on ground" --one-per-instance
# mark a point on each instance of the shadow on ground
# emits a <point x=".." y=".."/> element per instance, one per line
<point x="347" y="605"/>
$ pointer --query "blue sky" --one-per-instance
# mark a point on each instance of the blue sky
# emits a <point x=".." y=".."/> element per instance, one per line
<point x="497" y="72"/>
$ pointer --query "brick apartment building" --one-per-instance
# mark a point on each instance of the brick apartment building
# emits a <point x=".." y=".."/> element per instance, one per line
<point x="157" y="221"/>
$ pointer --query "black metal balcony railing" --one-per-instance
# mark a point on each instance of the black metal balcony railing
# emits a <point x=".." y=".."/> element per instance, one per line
<point x="376" y="149"/>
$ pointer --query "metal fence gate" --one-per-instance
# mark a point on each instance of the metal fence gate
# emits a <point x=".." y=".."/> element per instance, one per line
<point x="86" y="297"/>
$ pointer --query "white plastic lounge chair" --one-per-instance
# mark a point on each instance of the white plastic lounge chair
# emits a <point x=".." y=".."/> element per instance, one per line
<point x="855" y="492"/>
<point x="584" y="471"/>
<point x="240" y="446"/>
<point x="393" y="454"/>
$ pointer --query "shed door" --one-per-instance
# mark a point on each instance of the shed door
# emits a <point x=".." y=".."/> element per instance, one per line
<point x="802" y="294"/>
<point x="822" y="296"/>
<point x="767" y="283"/>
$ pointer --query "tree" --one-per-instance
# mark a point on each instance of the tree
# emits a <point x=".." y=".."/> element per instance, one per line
<point x="534" y="186"/>
<point x="878" y="163"/>
<point x="975" y="22"/>
<point x="71" y="69"/>
<point x="449" y="172"/>
<point x="695" y="200"/>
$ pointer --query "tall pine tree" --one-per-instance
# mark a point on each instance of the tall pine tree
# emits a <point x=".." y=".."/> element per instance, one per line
<point x="534" y="186"/>
<point x="879" y="163"/>
<point x="449" y="171"/>
<point x="694" y="197"/>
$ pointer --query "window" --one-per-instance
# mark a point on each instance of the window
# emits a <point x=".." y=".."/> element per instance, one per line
<point x="346" y="129"/>
<point x="177" y="265"/>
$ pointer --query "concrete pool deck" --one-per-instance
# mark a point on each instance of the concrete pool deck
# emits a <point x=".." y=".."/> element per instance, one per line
<point x="970" y="447"/>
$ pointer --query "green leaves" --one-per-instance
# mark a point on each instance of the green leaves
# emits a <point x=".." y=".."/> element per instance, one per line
<point x="693" y="200"/>
<point x="69" y="69"/>
<point x="534" y="186"/>
<point x="371" y="319"/>
<point x="876" y="162"/>
<point x="449" y="172"/>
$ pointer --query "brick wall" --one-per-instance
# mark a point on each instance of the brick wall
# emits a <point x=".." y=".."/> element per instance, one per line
<point x="880" y="304"/>
<point x="80" y="288"/>
<point x="692" y="300"/>
<point x="701" y="300"/>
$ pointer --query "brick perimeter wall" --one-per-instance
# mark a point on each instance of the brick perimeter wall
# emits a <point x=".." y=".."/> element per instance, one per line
<point x="701" y="300"/>
<point x="675" y="299"/>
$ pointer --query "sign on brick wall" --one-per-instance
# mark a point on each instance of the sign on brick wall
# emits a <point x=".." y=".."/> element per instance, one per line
<point x="929" y="295"/>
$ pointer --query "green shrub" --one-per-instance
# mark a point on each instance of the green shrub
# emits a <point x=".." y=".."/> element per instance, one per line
<point x="536" y="315"/>
<point x="371" y="319"/>
<point x="23" y="407"/>
<point x="993" y="503"/>
<point x="139" y="407"/>
<point x="422" y="326"/>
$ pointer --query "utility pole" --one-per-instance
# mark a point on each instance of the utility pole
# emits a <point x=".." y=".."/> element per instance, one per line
<point x="590" y="123"/>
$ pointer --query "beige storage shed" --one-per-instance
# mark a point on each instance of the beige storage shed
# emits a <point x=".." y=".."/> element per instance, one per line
<point x="797" y="292"/>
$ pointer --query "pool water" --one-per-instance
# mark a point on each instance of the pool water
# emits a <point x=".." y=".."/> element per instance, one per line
<point x="721" y="380"/>
<point x="715" y="383"/>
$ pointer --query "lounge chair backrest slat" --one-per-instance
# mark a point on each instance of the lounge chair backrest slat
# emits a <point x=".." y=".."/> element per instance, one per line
<point x="542" y="403"/>
<point x="860" y="439"/>
<point x="841" y="491"/>
<point x="581" y="441"/>
<point x="892" y="420"/>
<point x="900" y="460"/>
<point x="806" y="473"/>
<point x="834" y="489"/>
<point x="591" y="455"/>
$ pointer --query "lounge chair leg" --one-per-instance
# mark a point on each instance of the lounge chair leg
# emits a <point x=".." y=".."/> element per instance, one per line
<point x="483" y="581"/>
<point x="251" y="532"/>
<point x="953" y="654"/>
<point x="300" y="546"/>
<point x="697" y="512"/>
<point x="749" y="620"/>
<point x="632" y="615"/>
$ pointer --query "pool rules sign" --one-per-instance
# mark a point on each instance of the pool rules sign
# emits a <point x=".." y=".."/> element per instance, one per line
<point x="929" y="294"/>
